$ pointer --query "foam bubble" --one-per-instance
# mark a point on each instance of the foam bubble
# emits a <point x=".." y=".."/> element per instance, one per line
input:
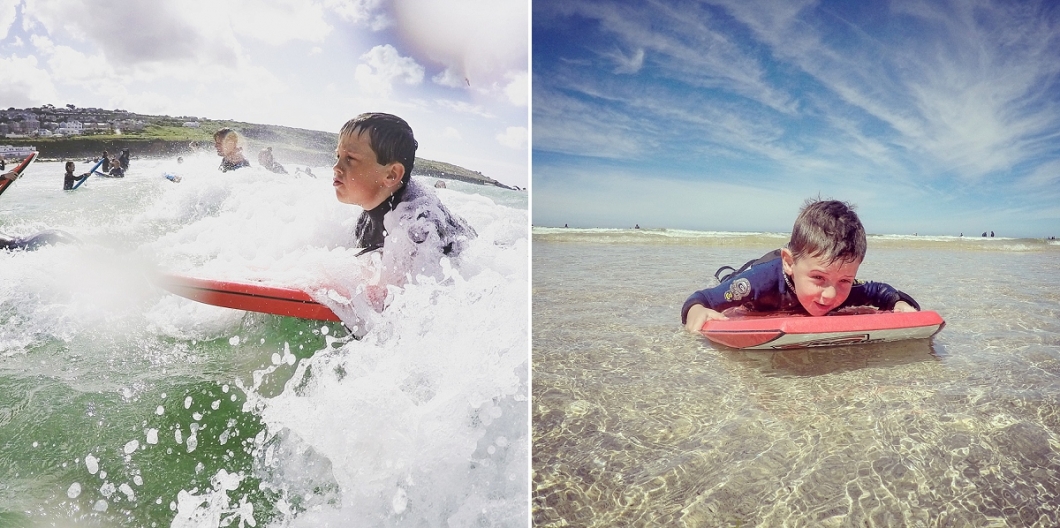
<point x="92" y="464"/>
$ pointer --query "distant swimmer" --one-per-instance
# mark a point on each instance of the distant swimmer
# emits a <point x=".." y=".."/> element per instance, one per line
<point x="991" y="234"/>
<point x="43" y="238"/>
<point x="266" y="160"/>
<point x="636" y="226"/>
<point x="69" y="180"/>
<point x="227" y="143"/>
<point x="123" y="160"/>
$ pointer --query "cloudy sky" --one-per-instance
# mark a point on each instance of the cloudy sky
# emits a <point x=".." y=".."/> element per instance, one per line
<point x="457" y="70"/>
<point x="933" y="117"/>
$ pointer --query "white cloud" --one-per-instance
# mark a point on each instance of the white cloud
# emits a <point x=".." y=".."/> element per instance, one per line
<point x="464" y="108"/>
<point x="71" y="65"/>
<point x="279" y="21"/>
<point x="450" y="78"/>
<point x="134" y="33"/>
<point x="478" y="40"/>
<point x="7" y="16"/>
<point x="513" y="137"/>
<point x="316" y="50"/>
<point x="25" y="83"/>
<point x="383" y="67"/>
<point x="368" y="12"/>
<point x="518" y="89"/>
<point x="452" y="133"/>
<point x="628" y="65"/>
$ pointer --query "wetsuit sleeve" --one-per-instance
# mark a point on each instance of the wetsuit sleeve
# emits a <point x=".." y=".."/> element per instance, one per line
<point x="756" y="288"/>
<point x="878" y="294"/>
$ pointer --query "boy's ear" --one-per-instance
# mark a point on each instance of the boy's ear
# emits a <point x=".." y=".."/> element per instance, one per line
<point x="787" y="259"/>
<point x="395" y="171"/>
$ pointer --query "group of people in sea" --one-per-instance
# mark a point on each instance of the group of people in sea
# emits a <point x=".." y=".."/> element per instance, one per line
<point x="107" y="166"/>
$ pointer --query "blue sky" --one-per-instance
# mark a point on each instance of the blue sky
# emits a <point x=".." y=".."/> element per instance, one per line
<point x="932" y="117"/>
<point x="457" y="70"/>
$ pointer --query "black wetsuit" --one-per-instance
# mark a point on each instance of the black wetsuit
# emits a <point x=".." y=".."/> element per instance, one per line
<point x="452" y="230"/>
<point x="123" y="160"/>
<point x="764" y="287"/>
<point x="70" y="180"/>
<point x="36" y="241"/>
<point x="228" y="165"/>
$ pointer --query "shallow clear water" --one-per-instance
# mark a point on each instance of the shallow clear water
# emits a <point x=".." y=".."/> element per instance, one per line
<point x="122" y="405"/>
<point x="636" y="422"/>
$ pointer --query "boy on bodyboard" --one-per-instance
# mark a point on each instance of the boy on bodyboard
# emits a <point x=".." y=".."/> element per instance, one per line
<point x="815" y="274"/>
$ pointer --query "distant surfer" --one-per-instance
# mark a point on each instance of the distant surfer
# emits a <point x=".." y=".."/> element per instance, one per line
<point x="123" y="160"/>
<point x="266" y="160"/>
<point x="69" y="180"/>
<point x="373" y="169"/>
<point x="226" y="141"/>
<point x="814" y="274"/>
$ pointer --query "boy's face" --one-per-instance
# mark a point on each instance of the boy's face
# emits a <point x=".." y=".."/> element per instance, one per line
<point x="820" y="287"/>
<point x="359" y="178"/>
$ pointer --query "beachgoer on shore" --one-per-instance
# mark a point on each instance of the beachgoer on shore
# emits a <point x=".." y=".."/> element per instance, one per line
<point x="69" y="179"/>
<point x="815" y="273"/>
<point x="227" y="142"/>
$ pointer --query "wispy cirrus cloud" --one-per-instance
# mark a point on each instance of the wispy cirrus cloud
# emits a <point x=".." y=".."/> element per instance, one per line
<point x="957" y="98"/>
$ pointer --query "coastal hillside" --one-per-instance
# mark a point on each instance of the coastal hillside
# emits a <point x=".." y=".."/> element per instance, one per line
<point x="74" y="133"/>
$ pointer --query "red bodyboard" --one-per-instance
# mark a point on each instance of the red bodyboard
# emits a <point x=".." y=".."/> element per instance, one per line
<point x="18" y="170"/>
<point x="776" y="332"/>
<point x="252" y="296"/>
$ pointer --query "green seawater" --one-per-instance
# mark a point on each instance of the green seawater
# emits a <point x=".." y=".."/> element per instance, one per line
<point x="122" y="405"/>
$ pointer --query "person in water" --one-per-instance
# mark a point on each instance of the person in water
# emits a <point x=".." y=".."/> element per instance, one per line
<point x="116" y="169"/>
<point x="373" y="169"/>
<point x="266" y="160"/>
<point x="123" y="160"/>
<point x="226" y="141"/>
<point x="105" y="167"/>
<point x="815" y="274"/>
<point x="69" y="180"/>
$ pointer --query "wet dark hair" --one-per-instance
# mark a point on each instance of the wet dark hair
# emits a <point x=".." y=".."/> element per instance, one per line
<point x="830" y="230"/>
<point x="389" y="136"/>
<point x="223" y="133"/>
<point x="69" y="166"/>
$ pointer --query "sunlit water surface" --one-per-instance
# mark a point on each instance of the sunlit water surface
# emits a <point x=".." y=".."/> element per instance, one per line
<point x="638" y="423"/>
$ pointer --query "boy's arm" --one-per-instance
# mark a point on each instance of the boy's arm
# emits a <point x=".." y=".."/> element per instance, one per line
<point x="882" y="296"/>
